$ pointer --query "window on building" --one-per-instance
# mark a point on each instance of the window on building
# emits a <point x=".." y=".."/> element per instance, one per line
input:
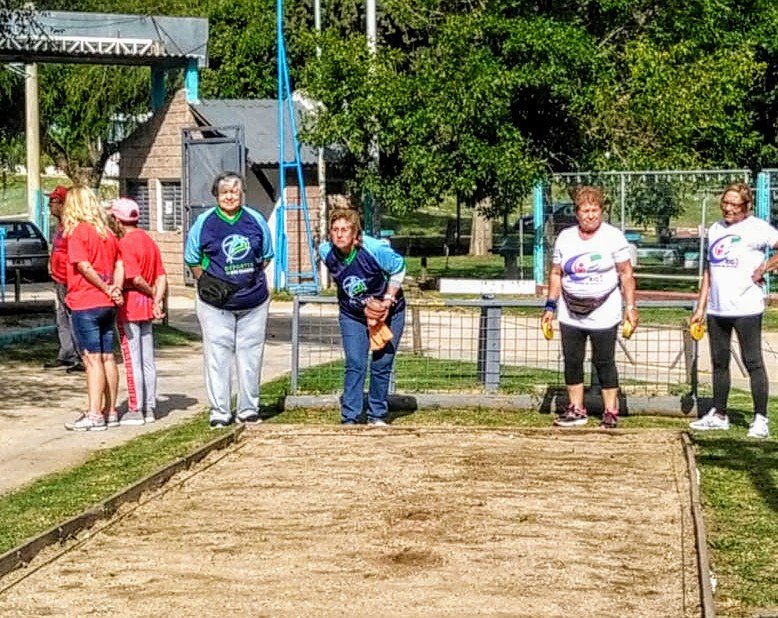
<point x="139" y="191"/>
<point x="172" y="205"/>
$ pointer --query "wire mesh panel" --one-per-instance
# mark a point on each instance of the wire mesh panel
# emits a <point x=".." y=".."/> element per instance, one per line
<point x="663" y="213"/>
<point x="487" y="346"/>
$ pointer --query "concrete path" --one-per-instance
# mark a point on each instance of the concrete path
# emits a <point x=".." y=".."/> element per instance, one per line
<point x="36" y="404"/>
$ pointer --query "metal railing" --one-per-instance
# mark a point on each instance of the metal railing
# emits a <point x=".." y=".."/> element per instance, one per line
<point x="494" y="347"/>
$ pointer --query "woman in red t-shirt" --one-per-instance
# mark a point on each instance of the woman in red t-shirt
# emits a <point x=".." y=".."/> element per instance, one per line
<point x="94" y="265"/>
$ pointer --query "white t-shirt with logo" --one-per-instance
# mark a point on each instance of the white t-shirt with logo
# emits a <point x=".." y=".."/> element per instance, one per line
<point x="589" y="270"/>
<point x="734" y="252"/>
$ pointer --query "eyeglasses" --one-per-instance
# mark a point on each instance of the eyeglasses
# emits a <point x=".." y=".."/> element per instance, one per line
<point x="733" y="204"/>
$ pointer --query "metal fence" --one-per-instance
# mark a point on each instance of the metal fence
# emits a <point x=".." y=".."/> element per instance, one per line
<point x="495" y="347"/>
<point x="663" y="213"/>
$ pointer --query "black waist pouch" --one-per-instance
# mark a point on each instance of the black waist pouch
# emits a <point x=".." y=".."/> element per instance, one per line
<point x="581" y="306"/>
<point x="215" y="291"/>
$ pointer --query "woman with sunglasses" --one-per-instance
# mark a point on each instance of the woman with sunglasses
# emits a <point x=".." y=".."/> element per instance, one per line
<point x="733" y="298"/>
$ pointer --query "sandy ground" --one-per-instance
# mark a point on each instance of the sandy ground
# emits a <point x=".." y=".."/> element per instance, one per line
<point x="300" y="521"/>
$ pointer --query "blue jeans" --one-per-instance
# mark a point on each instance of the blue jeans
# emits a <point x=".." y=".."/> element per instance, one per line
<point x="356" y="347"/>
<point x="93" y="329"/>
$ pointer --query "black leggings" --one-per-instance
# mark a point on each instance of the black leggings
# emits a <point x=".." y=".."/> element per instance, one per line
<point x="603" y="354"/>
<point x="749" y="334"/>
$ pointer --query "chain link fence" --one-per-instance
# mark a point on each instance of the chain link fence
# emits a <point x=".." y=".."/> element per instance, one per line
<point x="495" y="348"/>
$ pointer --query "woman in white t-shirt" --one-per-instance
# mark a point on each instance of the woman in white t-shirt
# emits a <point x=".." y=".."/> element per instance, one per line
<point x="732" y="292"/>
<point x="591" y="278"/>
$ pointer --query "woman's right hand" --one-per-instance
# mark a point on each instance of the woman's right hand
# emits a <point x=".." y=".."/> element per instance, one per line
<point x="547" y="317"/>
<point x="697" y="317"/>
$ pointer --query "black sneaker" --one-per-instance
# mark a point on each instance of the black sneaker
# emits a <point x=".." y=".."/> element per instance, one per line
<point x="56" y="364"/>
<point x="77" y="368"/>
<point x="217" y="423"/>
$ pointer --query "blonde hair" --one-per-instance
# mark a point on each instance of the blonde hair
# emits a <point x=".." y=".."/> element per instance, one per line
<point x="82" y="206"/>
<point x="351" y="217"/>
<point x="744" y="191"/>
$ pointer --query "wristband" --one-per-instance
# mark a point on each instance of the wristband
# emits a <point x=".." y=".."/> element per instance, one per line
<point x="550" y="305"/>
<point x="631" y="307"/>
<point x="390" y="297"/>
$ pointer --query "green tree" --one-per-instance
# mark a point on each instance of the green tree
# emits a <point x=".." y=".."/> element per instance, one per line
<point x="81" y="109"/>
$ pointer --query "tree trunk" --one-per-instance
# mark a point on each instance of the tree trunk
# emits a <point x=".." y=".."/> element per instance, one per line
<point x="480" y="234"/>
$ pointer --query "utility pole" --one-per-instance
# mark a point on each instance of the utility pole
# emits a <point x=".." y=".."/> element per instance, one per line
<point x="320" y="167"/>
<point x="370" y="29"/>
<point x="32" y="131"/>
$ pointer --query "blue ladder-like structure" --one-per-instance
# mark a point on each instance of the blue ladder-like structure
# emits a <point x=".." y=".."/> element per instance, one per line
<point x="305" y="278"/>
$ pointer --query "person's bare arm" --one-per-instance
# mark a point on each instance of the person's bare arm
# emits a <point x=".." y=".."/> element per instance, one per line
<point x="627" y="280"/>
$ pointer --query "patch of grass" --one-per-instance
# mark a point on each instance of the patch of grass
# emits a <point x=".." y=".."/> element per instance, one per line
<point x="41" y="349"/>
<point x="463" y="266"/>
<point x="740" y="490"/>
<point x="55" y="498"/>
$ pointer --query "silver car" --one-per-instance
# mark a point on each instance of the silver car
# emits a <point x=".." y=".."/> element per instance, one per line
<point x="26" y="250"/>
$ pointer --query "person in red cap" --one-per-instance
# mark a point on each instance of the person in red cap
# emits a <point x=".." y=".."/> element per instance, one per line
<point x="58" y="265"/>
<point x="145" y="285"/>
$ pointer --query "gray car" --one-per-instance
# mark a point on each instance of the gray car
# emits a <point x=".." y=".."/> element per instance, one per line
<point x="26" y="250"/>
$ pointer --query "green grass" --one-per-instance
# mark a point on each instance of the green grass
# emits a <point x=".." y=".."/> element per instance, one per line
<point x="740" y="499"/>
<point x="55" y="498"/>
<point x="13" y="195"/>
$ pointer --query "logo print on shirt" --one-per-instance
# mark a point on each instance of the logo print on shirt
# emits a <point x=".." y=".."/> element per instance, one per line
<point x="721" y="252"/>
<point x="354" y="286"/>
<point x="581" y="267"/>
<point x="235" y="247"/>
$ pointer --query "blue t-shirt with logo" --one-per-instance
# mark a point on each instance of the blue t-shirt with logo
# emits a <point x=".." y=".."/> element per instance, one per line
<point x="235" y="250"/>
<point x="363" y="274"/>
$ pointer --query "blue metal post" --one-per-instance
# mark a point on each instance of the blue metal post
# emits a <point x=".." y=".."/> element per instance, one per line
<point x="192" y="81"/>
<point x="292" y="281"/>
<point x="537" y="222"/>
<point x="2" y="264"/>
<point x="762" y="208"/>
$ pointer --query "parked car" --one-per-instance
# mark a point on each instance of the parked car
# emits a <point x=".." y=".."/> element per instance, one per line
<point x="26" y="250"/>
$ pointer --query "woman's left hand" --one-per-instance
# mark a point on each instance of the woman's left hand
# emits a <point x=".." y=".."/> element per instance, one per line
<point x="115" y="293"/>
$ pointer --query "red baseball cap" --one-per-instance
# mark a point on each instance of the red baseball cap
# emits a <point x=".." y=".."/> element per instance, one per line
<point x="59" y="193"/>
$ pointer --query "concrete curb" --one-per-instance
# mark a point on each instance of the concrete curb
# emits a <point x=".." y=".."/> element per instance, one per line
<point x="22" y="554"/>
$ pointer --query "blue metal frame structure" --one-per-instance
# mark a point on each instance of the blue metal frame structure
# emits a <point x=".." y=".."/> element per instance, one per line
<point x="298" y="281"/>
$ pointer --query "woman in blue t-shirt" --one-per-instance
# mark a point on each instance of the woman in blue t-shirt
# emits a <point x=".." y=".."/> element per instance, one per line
<point x="227" y="249"/>
<point x="369" y="275"/>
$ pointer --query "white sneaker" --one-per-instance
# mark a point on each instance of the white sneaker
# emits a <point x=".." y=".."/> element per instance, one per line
<point x="711" y="420"/>
<point x="377" y="423"/>
<point x="85" y="422"/>
<point x="759" y="429"/>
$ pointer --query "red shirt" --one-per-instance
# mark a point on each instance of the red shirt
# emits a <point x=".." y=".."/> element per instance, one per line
<point x="141" y="256"/>
<point x="58" y="264"/>
<point x="85" y="245"/>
